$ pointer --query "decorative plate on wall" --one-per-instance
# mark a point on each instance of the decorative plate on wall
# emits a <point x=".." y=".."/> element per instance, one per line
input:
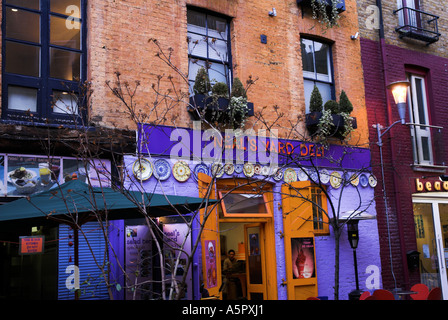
<point x="229" y="168"/>
<point x="354" y="180"/>
<point x="162" y="169"/>
<point x="217" y="170"/>
<point x="257" y="168"/>
<point x="335" y="179"/>
<point x="266" y="171"/>
<point x="200" y="167"/>
<point x="290" y="175"/>
<point x="142" y="169"/>
<point x="278" y="174"/>
<point x="181" y="171"/>
<point x="324" y="176"/>
<point x="363" y="180"/>
<point x="248" y="170"/>
<point x="302" y="175"/>
<point x="238" y="168"/>
<point x="372" y="181"/>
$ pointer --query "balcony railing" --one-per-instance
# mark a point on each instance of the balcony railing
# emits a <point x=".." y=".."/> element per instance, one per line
<point x="417" y="24"/>
<point x="428" y="147"/>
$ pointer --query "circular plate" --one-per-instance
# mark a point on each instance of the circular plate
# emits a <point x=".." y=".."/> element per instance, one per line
<point x="278" y="174"/>
<point x="290" y="175"/>
<point x="181" y="171"/>
<point x="302" y="175"/>
<point x="200" y="167"/>
<point x="248" y="170"/>
<point x="324" y="176"/>
<point x="363" y="180"/>
<point x="238" y="168"/>
<point x="217" y="170"/>
<point x="354" y="180"/>
<point x="229" y="168"/>
<point x="142" y="169"/>
<point x="266" y="171"/>
<point x="335" y="179"/>
<point x="372" y="181"/>
<point x="314" y="175"/>
<point x="162" y="169"/>
<point x="257" y="168"/>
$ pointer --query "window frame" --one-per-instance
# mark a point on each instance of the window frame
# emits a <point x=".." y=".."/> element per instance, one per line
<point x="44" y="84"/>
<point x="321" y="223"/>
<point x="227" y="65"/>
<point x="315" y="79"/>
<point x="225" y="214"/>
<point x="417" y="132"/>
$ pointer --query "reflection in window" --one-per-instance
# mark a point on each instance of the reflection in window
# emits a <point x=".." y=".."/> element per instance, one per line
<point x="245" y="203"/>
<point x="23" y="99"/>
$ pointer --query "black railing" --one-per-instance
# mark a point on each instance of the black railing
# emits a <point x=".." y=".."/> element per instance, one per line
<point x="417" y="24"/>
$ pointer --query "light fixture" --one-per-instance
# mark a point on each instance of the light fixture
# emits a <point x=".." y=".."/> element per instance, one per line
<point x="273" y="13"/>
<point x="400" y="92"/>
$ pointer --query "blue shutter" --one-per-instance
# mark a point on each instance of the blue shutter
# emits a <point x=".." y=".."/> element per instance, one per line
<point x="88" y="269"/>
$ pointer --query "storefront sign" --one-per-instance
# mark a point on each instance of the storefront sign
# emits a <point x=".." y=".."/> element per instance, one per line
<point x="425" y="185"/>
<point x="203" y="145"/>
<point x="31" y="245"/>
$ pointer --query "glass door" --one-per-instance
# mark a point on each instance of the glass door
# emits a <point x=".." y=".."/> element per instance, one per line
<point x="431" y="227"/>
<point x="255" y="261"/>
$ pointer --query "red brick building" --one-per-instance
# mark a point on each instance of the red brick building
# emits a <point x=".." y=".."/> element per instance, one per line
<point x="408" y="43"/>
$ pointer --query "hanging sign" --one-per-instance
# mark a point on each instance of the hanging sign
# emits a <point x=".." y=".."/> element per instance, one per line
<point x="31" y="245"/>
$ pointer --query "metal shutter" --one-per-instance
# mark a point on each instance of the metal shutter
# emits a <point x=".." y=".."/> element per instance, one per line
<point x="88" y="269"/>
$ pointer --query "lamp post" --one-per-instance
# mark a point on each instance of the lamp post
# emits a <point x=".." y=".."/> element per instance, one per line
<point x="352" y="219"/>
<point x="399" y="91"/>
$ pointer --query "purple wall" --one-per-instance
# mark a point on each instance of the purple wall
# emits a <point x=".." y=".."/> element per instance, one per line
<point x="368" y="252"/>
<point x="398" y="155"/>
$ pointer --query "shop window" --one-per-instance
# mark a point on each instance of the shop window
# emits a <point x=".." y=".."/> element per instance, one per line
<point x="419" y="115"/>
<point x="317" y="70"/>
<point x="44" y="60"/>
<point x="320" y="217"/>
<point x="208" y="46"/>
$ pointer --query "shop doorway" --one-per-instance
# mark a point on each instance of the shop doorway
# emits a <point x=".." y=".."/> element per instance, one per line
<point x="243" y="261"/>
<point x="431" y="228"/>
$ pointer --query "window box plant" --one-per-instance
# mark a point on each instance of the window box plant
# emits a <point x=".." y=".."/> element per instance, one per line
<point x="331" y="120"/>
<point x="218" y="106"/>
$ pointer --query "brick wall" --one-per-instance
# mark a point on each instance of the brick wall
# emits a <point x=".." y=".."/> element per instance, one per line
<point x="118" y="41"/>
<point x="397" y="161"/>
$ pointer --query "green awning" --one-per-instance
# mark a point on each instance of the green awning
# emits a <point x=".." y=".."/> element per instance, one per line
<point x="76" y="199"/>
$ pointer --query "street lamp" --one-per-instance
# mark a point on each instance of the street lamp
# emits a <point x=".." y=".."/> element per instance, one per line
<point x="399" y="91"/>
<point x="352" y="218"/>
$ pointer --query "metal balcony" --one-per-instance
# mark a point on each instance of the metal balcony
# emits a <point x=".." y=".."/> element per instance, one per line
<point x="418" y="25"/>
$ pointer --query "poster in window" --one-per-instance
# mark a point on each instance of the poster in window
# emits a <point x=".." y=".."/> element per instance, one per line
<point x="303" y="265"/>
<point x="210" y="263"/>
<point x="2" y="176"/>
<point x="28" y="174"/>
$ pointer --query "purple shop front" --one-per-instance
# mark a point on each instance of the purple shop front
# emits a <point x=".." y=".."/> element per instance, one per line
<point x="175" y="145"/>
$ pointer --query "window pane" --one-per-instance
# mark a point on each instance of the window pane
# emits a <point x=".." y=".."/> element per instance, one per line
<point x="420" y="102"/>
<point x="23" y="99"/>
<point x="217" y="50"/>
<point x="32" y="4"/>
<point x="244" y="203"/>
<point x="197" y="45"/>
<point x="68" y="7"/>
<point x="324" y="89"/>
<point x="65" y="33"/>
<point x="64" y="102"/>
<point x="321" y="58"/>
<point x="307" y="56"/>
<point x="196" y="19"/>
<point x="425" y="149"/>
<point x="22" y="25"/>
<point x="217" y="27"/>
<point x="217" y="73"/>
<point x="22" y="59"/>
<point x="64" y="64"/>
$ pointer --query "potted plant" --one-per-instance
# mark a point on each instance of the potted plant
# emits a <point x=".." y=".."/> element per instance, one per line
<point x="216" y="105"/>
<point x="332" y="119"/>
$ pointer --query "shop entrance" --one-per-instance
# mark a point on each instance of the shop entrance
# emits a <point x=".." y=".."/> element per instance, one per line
<point x="243" y="260"/>
<point x="431" y="228"/>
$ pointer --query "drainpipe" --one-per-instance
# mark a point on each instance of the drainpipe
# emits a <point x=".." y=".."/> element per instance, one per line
<point x="393" y="154"/>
